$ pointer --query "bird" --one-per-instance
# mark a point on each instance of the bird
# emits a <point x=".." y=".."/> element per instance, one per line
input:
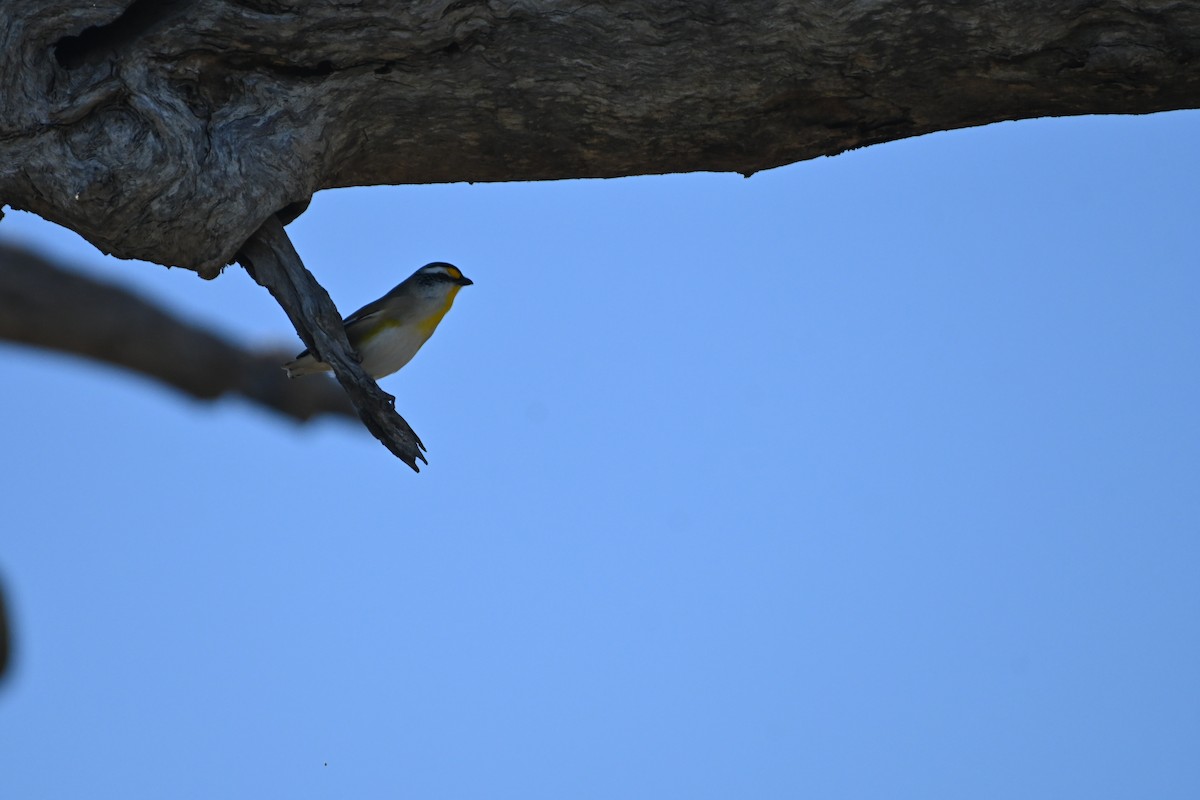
<point x="388" y="332"/>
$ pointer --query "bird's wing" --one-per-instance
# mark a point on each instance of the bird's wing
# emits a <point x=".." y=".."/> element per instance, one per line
<point x="367" y="317"/>
<point x="356" y="319"/>
<point x="387" y="310"/>
<point x="367" y="311"/>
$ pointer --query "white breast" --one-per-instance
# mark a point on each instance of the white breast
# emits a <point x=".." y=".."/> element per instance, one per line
<point x="391" y="349"/>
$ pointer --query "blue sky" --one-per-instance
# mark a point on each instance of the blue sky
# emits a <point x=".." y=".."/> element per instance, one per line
<point x="871" y="476"/>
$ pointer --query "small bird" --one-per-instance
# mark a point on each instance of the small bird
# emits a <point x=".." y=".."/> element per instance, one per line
<point x="388" y="332"/>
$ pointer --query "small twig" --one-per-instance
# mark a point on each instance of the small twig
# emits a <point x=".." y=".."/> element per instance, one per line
<point x="270" y="258"/>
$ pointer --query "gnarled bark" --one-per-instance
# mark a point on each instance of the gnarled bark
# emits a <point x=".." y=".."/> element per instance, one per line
<point x="170" y="130"/>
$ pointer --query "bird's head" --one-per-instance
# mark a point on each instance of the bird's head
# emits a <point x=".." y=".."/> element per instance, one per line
<point x="439" y="273"/>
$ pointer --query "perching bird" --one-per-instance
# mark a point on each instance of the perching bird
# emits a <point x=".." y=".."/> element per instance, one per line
<point x="390" y="331"/>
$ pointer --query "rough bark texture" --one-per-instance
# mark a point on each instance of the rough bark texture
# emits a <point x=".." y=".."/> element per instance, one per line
<point x="45" y="306"/>
<point x="170" y="130"/>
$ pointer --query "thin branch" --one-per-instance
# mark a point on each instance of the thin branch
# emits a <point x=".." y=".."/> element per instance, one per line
<point x="270" y="258"/>
<point x="46" y="306"/>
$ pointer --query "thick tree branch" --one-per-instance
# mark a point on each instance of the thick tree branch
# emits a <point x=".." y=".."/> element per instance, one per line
<point x="170" y="129"/>
<point x="272" y="261"/>
<point x="44" y="306"/>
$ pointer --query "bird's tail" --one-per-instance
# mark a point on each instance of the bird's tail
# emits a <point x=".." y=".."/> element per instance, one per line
<point x="305" y="364"/>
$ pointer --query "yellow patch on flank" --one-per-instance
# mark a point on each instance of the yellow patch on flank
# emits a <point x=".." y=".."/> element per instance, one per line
<point x="377" y="328"/>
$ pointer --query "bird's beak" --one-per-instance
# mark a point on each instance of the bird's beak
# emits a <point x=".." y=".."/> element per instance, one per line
<point x="464" y="281"/>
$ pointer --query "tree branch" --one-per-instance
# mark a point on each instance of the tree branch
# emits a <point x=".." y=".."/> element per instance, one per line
<point x="45" y="306"/>
<point x="5" y="638"/>
<point x="170" y="129"/>
<point x="273" y="262"/>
